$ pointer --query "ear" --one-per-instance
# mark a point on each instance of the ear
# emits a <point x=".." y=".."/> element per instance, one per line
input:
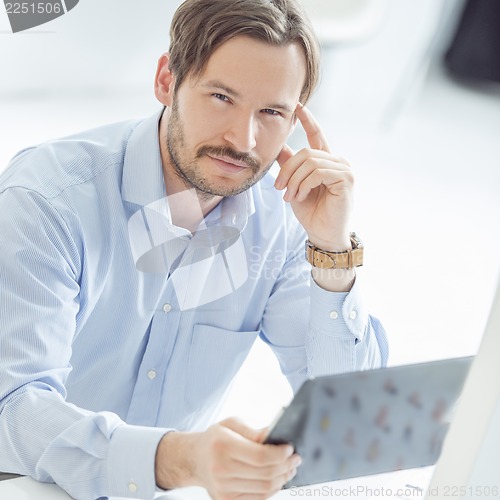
<point x="164" y="81"/>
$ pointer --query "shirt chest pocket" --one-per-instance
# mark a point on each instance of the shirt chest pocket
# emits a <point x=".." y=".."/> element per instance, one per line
<point x="215" y="356"/>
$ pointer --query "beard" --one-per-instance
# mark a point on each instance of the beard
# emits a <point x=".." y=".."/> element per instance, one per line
<point x="188" y="170"/>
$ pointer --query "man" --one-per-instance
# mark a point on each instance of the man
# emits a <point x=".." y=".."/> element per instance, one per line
<point x="141" y="260"/>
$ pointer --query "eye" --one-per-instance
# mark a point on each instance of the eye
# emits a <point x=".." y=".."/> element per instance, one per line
<point x="221" y="97"/>
<point x="271" y="112"/>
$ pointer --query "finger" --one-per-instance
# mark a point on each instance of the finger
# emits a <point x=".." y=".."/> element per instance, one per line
<point x="244" y="445"/>
<point x="313" y="131"/>
<point x="262" y="434"/>
<point x="237" y="469"/>
<point x="260" y="455"/>
<point x="238" y="426"/>
<point x="285" y="154"/>
<point x="289" y="168"/>
<point x="333" y="180"/>
<point x="306" y="169"/>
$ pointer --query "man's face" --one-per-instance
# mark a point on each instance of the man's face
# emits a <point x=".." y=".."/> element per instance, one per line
<point x="227" y="127"/>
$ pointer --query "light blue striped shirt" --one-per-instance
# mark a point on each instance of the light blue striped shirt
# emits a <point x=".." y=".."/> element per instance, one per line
<point x="118" y="325"/>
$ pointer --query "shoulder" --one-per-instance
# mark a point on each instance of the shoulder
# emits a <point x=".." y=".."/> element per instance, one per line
<point x="51" y="167"/>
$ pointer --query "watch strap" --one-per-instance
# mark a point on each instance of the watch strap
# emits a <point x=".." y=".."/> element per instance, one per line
<point x="325" y="259"/>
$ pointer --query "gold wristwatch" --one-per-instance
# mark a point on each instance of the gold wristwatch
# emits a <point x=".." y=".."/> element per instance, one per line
<point x="336" y="260"/>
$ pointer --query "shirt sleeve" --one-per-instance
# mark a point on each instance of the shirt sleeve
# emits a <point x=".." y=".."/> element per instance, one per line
<point x="316" y="332"/>
<point x="342" y="335"/>
<point x="89" y="454"/>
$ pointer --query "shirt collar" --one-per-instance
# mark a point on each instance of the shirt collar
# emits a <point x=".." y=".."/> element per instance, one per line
<point x="142" y="181"/>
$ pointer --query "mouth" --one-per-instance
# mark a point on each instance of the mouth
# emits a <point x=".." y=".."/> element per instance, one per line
<point x="228" y="164"/>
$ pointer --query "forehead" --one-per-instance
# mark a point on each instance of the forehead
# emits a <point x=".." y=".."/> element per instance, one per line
<point x="258" y="70"/>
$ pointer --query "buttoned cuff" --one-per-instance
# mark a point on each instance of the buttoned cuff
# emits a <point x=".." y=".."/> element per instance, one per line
<point x="131" y="461"/>
<point x="339" y="314"/>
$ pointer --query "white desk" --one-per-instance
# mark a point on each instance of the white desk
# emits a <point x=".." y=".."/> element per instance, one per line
<point x="389" y="486"/>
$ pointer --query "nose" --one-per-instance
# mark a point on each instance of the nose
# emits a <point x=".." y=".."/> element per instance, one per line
<point x="241" y="132"/>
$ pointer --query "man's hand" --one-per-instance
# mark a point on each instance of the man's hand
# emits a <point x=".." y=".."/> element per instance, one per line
<point x="228" y="460"/>
<point x="319" y="187"/>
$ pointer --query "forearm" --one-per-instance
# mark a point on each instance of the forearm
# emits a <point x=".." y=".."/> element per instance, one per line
<point x="88" y="454"/>
<point x="334" y="280"/>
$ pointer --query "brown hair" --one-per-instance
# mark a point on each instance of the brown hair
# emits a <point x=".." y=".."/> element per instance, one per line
<point x="201" y="26"/>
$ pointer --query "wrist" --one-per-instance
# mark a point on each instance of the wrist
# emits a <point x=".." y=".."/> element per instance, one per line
<point x="334" y="244"/>
<point x="334" y="280"/>
<point x="174" y="460"/>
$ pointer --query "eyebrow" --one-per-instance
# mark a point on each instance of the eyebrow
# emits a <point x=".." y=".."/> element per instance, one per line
<point x="217" y="84"/>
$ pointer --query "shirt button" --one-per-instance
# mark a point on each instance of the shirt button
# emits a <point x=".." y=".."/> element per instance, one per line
<point x="334" y="315"/>
<point x="353" y="314"/>
<point x="132" y="487"/>
<point x="151" y="374"/>
<point x="167" y="308"/>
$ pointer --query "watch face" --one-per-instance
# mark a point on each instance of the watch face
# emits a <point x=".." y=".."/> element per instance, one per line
<point x="355" y="241"/>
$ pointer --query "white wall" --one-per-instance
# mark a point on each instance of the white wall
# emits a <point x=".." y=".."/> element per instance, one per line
<point x="98" y="43"/>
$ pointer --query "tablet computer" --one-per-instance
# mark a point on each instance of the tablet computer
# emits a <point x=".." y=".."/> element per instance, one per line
<point x="369" y="422"/>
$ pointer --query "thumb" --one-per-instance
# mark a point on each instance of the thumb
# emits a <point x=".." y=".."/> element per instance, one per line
<point x="237" y="425"/>
<point x="285" y="154"/>
<point x="262" y="434"/>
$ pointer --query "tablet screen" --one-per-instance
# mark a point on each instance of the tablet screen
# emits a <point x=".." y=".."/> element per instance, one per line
<point x="369" y="422"/>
